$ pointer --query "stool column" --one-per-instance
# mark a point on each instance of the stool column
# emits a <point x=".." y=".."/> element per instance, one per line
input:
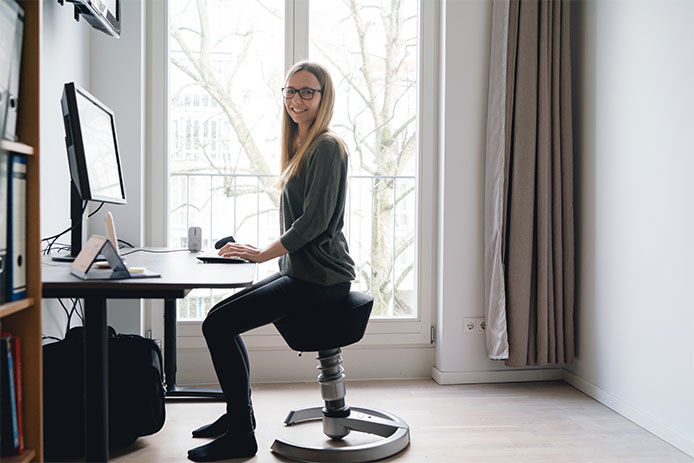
<point x="332" y="387"/>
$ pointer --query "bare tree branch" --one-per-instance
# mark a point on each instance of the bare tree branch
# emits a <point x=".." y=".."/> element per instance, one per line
<point x="206" y="79"/>
<point x="252" y="216"/>
<point x="403" y="275"/>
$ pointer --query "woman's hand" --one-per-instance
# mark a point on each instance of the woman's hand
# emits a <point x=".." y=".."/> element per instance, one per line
<point x="251" y="253"/>
<point x="243" y="251"/>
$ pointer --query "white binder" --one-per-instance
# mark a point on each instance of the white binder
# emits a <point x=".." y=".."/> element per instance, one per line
<point x="17" y="227"/>
<point x="11" y="35"/>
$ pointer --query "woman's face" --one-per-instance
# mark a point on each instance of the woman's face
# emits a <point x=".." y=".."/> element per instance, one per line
<point x="303" y="112"/>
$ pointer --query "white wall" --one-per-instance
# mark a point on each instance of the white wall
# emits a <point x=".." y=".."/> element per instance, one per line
<point x="64" y="58"/>
<point x="113" y="71"/>
<point x="465" y="28"/>
<point x="634" y="109"/>
<point x="464" y="75"/>
<point x="117" y="79"/>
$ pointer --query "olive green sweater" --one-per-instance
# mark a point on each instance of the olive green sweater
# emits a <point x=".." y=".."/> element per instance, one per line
<point x="312" y="213"/>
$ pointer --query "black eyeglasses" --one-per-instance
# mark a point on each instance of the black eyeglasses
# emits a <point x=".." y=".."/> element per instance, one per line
<point x="304" y="93"/>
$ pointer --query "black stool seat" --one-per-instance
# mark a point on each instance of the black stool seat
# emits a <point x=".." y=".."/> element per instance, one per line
<point x="329" y="327"/>
<point x="326" y="330"/>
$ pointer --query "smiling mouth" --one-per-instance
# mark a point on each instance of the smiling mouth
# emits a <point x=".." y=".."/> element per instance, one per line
<point x="298" y="110"/>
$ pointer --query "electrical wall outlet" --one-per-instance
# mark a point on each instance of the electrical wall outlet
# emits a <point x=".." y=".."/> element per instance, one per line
<point x="474" y="325"/>
<point x="469" y="325"/>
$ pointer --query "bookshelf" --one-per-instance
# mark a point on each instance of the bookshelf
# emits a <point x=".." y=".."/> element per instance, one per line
<point x="23" y="318"/>
<point x="26" y="457"/>
<point x="15" y="147"/>
<point x="12" y="307"/>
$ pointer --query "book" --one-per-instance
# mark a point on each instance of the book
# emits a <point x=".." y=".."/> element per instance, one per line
<point x="9" y="429"/>
<point x="4" y="261"/>
<point x="17" y="215"/>
<point x="16" y="351"/>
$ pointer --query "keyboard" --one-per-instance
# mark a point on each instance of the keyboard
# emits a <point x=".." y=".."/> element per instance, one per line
<point x="212" y="259"/>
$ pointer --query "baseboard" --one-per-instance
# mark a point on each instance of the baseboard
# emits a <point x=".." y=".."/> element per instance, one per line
<point x="638" y="417"/>
<point x="285" y="365"/>
<point x="495" y="376"/>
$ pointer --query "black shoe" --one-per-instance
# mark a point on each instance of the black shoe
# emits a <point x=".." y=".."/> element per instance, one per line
<point x="218" y="427"/>
<point x="228" y="445"/>
<point x="215" y="429"/>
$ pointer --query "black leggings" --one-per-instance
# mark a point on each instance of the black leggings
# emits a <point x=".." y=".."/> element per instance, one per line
<point x="265" y="302"/>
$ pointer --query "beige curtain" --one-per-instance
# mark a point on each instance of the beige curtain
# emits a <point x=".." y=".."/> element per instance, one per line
<point x="529" y="230"/>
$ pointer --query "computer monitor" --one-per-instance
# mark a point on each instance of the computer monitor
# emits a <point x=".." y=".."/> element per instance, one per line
<point x="102" y="15"/>
<point x="93" y="155"/>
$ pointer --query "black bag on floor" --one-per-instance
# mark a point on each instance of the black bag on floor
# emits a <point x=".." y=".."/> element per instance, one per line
<point x="136" y="392"/>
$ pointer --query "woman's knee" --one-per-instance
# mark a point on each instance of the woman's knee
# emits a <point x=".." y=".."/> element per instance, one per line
<point x="214" y="323"/>
<point x="222" y="321"/>
<point x="207" y="325"/>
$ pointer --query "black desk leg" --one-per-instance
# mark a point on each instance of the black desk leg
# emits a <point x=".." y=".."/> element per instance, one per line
<point x="170" y="344"/>
<point x="172" y="390"/>
<point x="95" y="380"/>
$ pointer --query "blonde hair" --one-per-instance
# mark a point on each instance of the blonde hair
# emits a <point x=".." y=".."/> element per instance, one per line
<point x="290" y="162"/>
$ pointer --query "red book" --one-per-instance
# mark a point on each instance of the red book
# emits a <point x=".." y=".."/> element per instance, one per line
<point x="17" y="365"/>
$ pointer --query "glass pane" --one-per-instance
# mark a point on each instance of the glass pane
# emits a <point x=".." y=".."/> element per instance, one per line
<point x="404" y="281"/>
<point x="359" y="231"/>
<point x="178" y="212"/>
<point x="225" y="71"/>
<point x="370" y="48"/>
<point x="224" y="205"/>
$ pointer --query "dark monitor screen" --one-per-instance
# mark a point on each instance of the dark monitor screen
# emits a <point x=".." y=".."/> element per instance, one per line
<point x="103" y="15"/>
<point x="111" y="7"/>
<point x="92" y="145"/>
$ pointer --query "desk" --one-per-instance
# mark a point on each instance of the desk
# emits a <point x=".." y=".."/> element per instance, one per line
<point x="180" y="272"/>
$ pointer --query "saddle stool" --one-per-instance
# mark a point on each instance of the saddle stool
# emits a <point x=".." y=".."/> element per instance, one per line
<point x="326" y="331"/>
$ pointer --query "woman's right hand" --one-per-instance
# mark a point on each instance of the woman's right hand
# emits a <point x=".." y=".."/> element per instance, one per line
<point x="242" y="251"/>
<point x="251" y="253"/>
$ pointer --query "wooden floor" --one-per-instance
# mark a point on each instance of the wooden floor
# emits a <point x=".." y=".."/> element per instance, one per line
<point x="515" y="422"/>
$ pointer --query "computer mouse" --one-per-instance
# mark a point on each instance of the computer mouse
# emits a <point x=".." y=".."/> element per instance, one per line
<point x="223" y="241"/>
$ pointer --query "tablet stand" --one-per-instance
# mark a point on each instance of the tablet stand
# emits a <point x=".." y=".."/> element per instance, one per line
<point x="84" y="261"/>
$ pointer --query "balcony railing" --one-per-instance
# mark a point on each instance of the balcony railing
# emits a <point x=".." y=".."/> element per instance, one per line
<point x="380" y="227"/>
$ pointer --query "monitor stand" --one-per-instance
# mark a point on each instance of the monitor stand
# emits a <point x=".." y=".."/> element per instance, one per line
<point x="76" y="216"/>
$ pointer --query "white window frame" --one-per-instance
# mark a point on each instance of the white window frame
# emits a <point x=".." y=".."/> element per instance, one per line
<point x="409" y="332"/>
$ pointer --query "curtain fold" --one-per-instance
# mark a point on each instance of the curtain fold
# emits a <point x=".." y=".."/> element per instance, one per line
<point x="495" y="188"/>
<point x="529" y="231"/>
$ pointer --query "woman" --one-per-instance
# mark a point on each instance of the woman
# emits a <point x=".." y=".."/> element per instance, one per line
<point x="315" y="267"/>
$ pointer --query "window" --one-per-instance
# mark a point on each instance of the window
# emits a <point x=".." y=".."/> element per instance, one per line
<point x="371" y="51"/>
<point x="236" y="59"/>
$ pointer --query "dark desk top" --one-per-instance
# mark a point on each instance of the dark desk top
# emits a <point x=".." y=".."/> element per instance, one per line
<point x="180" y="272"/>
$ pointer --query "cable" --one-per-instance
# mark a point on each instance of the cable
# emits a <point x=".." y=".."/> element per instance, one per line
<point x="153" y="251"/>
<point x="97" y="209"/>
<point x="81" y="315"/>
<point x="84" y="206"/>
<point x="69" y="314"/>
<point x="57" y="247"/>
<point x="55" y="237"/>
<point x="47" y="250"/>
<point x="67" y="247"/>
